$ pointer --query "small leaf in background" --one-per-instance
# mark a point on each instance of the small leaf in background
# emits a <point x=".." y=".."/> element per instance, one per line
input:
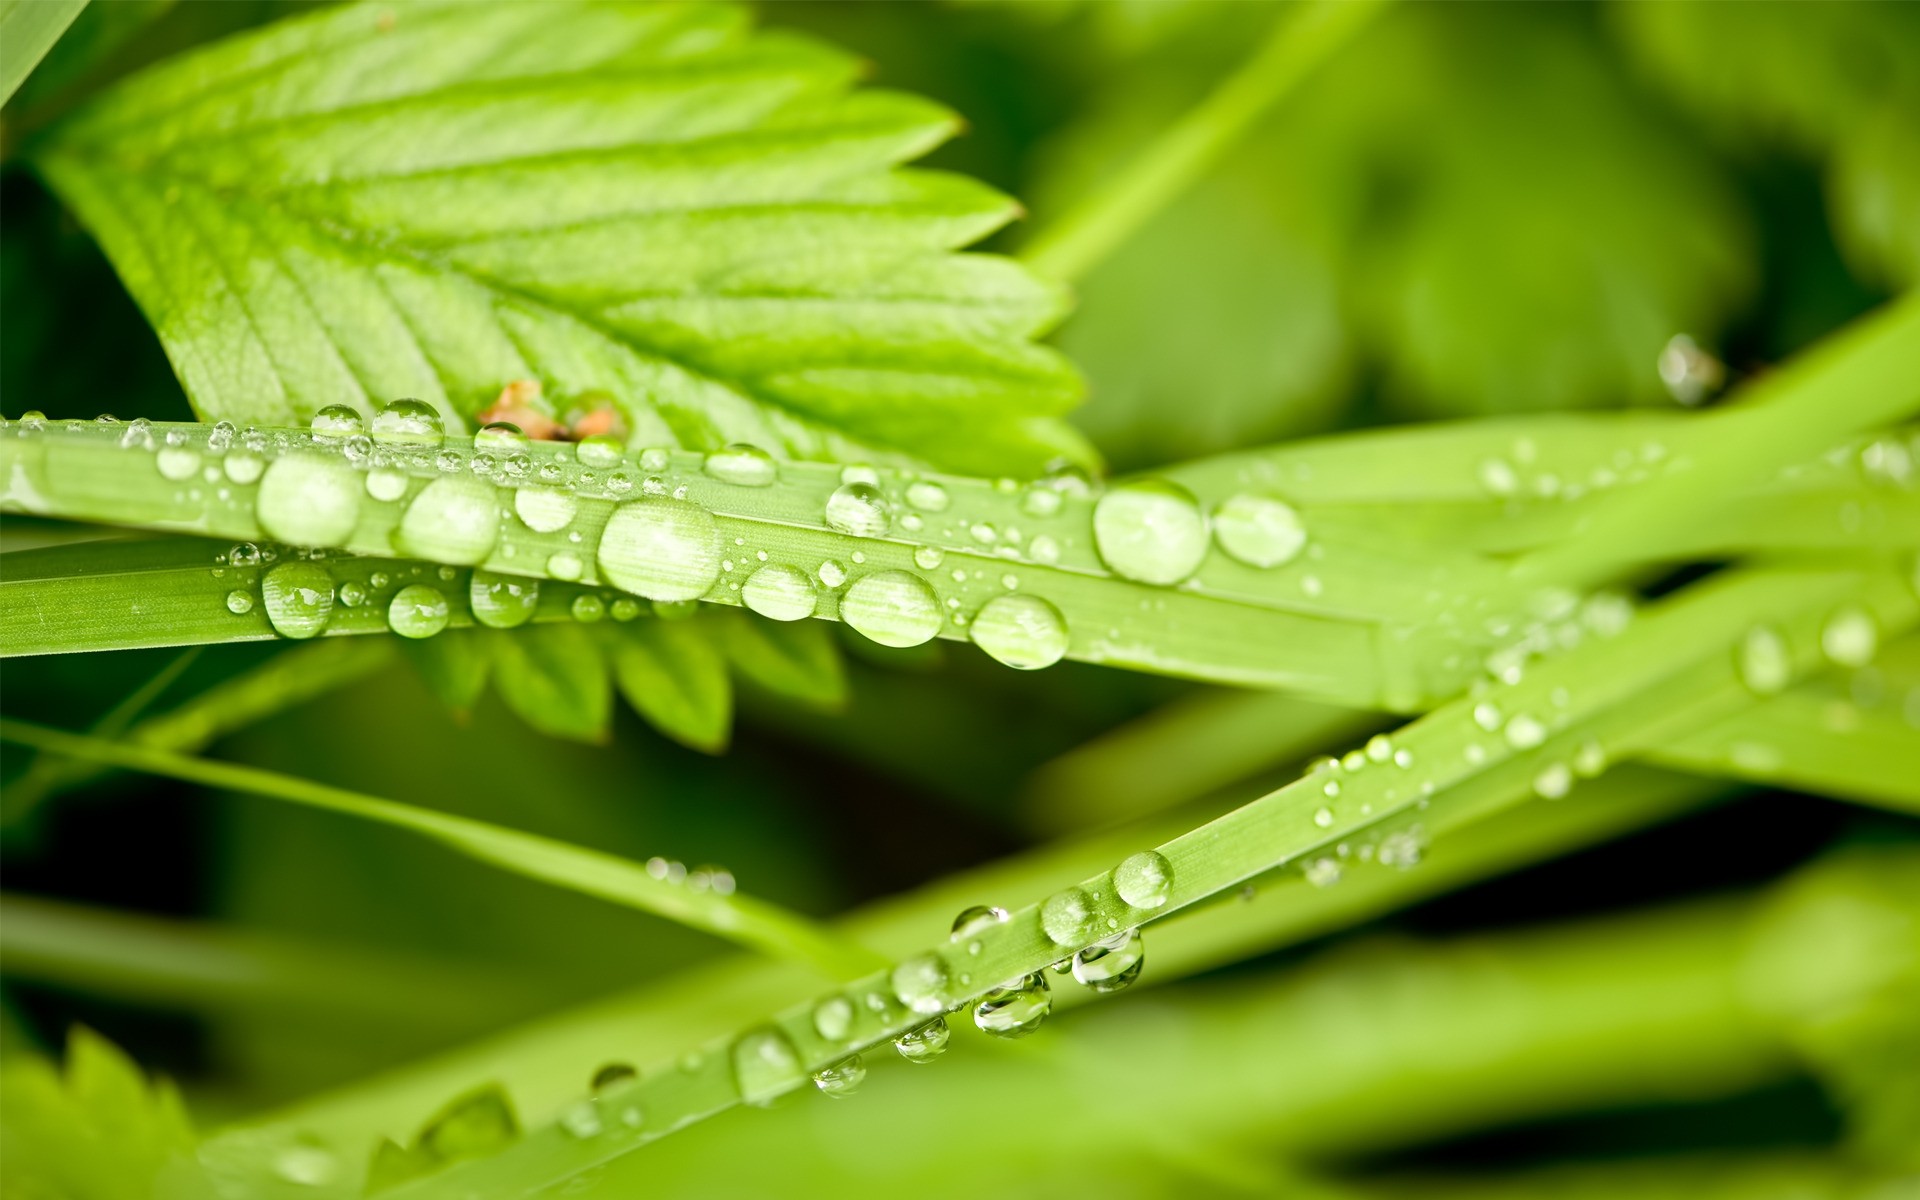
<point x="646" y="201"/>
<point x="796" y="660"/>
<point x="454" y="663"/>
<point x="675" y="677"/>
<point x="555" y="678"/>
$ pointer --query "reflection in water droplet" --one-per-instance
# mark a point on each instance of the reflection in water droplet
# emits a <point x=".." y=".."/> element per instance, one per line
<point x="661" y="549"/>
<point x="298" y="598"/>
<point x="454" y="519"/>
<point x="308" y="500"/>
<point x="1067" y="916"/>
<point x="1151" y="531"/>
<point x="921" y="984"/>
<point x="1024" y="632"/>
<point x="780" y="592"/>
<point x="408" y="423"/>
<point x="858" y="509"/>
<point x="417" y="611"/>
<point x="924" y="1044"/>
<point x="841" y="1079"/>
<point x="239" y="603"/>
<point x="893" y="608"/>
<point x="1144" y="880"/>
<point x="1108" y="966"/>
<point x="742" y="466"/>
<point x="334" y="422"/>
<point x="1015" y="1008"/>
<point x="1258" y="530"/>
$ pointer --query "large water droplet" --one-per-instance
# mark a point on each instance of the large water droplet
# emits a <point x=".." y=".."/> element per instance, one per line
<point x="309" y="500"/>
<point x="298" y="597"/>
<point x="454" y="519"/>
<point x="1151" y="531"/>
<point x="780" y="592"/>
<point x="1144" y="880"/>
<point x="1258" y="530"/>
<point x="661" y="549"/>
<point x="765" y="1066"/>
<point x="1021" y="631"/>
<point x="417" y="611"/>
<point x="544" y="509"/>
<point x="1015" y="1008"/>
<point x="742" y="466"/>
<point x="841" y="1079"/>
<point x="858" y="509"/>
<point x="924" y="1044"/>
<point x="408" y="423"/>
<point x="893" y="608"/>
<point x="1763" y="662"/>
<point x="1850" y="637"/>
<point x="336" y="421"/>
<point x="921" y="983"/>
<point x="1067" y="916"/>
<point x="1108" y="966"/>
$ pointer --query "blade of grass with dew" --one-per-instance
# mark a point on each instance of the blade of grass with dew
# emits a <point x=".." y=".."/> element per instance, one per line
<point x="742" y="919"/>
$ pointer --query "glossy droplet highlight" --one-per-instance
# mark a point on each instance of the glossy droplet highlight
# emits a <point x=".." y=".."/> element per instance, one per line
<point x="298" y="599"/>
<point x="924" y="1044"/>
<point x="1016" y="1008"/>
<point x="1850" y="638"/>
<point x="454" y="519"/>
<point x="921" y="983"/>
<point x="1108" y="966"/>
<point x="417" y="611"/>
<point x="177" y="463"/>
<point x="893" y="608"/>
<point x="1763" y="662"/>
<point x="1024" y="632"/>
<point x="833" y="1018"/>
<point x="858" y="509"/>
<point x="742" y="466"/>
<point x="1144" y="880"/>
<point x="765" y="1066"/>
<point x="239" y="603"/>
<point x="309" y="500"/>
<point x="544" y="509"/>
<point x="976" y="920"/>
<point x="841" y="1079"/>
<point x="1259" y="530"/>
<point x="1067" y="917"/>
<point x="408" y="423"/>
<point x="779" y="592"/>
<point x="661" y="549"/>
<point x="1151" y="531"/>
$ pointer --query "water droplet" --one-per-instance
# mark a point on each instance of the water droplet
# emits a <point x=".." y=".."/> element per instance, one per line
<point x="661" y="549"/>
<point x="243" y="466"/>
<point x="1498" y="477"/>
<point x="177" y="463"/>
<point x="1144" y="880"/>
<point x="924" y="1044"/>
<point x="1015" y="1008"/>
<point x="1258" y="530"/>
<point x="408" y="423"/>
<point x="352" y="594"/>
<point x="928" y="557"/>
<point x="921" y="983"/>
<point x="1112" y="964"/>
<point x="780" y="592"/>
<point x="500" y="438"/>
<point x="1151" y="531"/>
<point x="858" y="509"/>
<point x="833" y="1018"/>
<point x="587" y="608"/>
<point x="1043" y="549"/>
<point x="927" y="496"/>
<point x="308" y="500"/>
<point x="565" y="565"/>
<point x="1763" y="662"/>
<point x="832" y="574"/>
<point x="1402" y="849"/>
<point x="298" y="598"/>
<point x="612" y="1075"/>
<point x="1067" y="917"/>
<point x="841" y="1079"/>
<point x="1525" y="732"/>
<point x="603" y="450"/>
<point x="893" y="608"/>
<point x="417" y="611"/>
<point x="1322" y="872"/>
<point x="1024" y="632"/>
<point x="625" y="608"/>
<point x="1590" y="760"/>
<point x="239" y="602"/>
<point x="334" y="422"/>
<point x="1850" y="637"/>
<point x="453" y="520"/>
<point x="544" y="509"/>
<point x="1553" y="781"/>
<point x="742" y="466"/>
<point x="765" y="1066"/>
<point x="582" y="1120"/>
<point x="1040" y="501"/>
<point x="978" y="919"/>
<point x="1487" y="717"/>
<point x="386" y="483"/>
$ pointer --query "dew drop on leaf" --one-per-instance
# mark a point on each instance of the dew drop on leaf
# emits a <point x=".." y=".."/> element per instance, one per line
<point x="602" y="451"/>
<point x="978" y="919"/>
<point x="408" y="423"/>
<point x="1024" y="632"/>
<point x="545" y="509"/>
<point x="742" y="466"/>
<point x="613" y="1074"/>
<point x="928" y="557"/>
<point x="565" y="565"/>
<point x="1144" y="880"/>
<point x="499" y="438"/>
<point x="1260" y="531"/>
<point x="582" y="1120"/>
<point x="779" y="592"/>
<point x="1151" y="531"/>
<point x="841" y="1079"/>
<point x="177" y="463"/>
<point x="386" y="483"/>
<point x="1525" y="732"/>
<point x="1850" y="638"/>
<point x="765" y="1065"/>
<point x="893" y="608"/>
<point x="927" y="496"/>
<point x="417" y="611"/>
<point x="1553" y="781"/>
<point x="239" y="603"/>
<point x="661" y="549"/>
<point x="336" y="421"/>
<point x="1112" y="964"/>
<point x="1015" y="1008"/>
<point x="858" y="509"/>
<point x="833" y="1018"/>
<point x="308" y="500"/>
<point x="298" y="599"/>
<point x="921" y="984"/>
<point x="1067" y="916"/>
<point x="1763" y="662"/>
<point x="1322" y="872"/>
<point x="924" y="1044"/>
<point x="243" y="466"/>
<point x="587" y="608"/>
<point x="453" y="520"/>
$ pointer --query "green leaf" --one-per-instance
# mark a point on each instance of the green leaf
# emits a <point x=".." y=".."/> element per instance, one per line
<point x="98" y="1131"/>
<point x="649" y="202"/>
<point x="674" y="676"/>
<point x="555" y="678"/>
<point x="797" y="660"/>
<point x="454" y="663"/>
<point x="28" y="29"/>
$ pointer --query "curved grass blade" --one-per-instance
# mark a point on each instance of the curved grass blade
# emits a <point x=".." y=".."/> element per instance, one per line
<point x="28" y="29"/>
<point x="741" y="919"/>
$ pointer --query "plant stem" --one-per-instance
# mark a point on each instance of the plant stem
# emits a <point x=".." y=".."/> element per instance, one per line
<point x="1299" y="42"/>
<point x="743" y="919"/>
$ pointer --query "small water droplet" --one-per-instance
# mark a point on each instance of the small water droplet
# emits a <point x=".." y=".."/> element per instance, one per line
<point x="177" y="463"/>
<point x="417" y="611"/>
<point x="928" y="557"/>
<point x="1487" y="717"/>
<point x="1323" y="817"/>
<point x="1015" y="1008"/>
<point x="1067" y="917"/>
<point x="613" y="1074"/>
<point x="604" y="450"/>
<point x="832" y="574"/>
<point x="1403" y="849"/>
<point x="1763" y="661"/>
<point x="661" y="549"/>
<point x="927" y="496"/>
<point x="307" y="1166"/>
<point x="924" y="1044"/>
<point x="858" y="509"/>
<point x="1590" y="760"/>
<point x="587" y="608"/>
<point x="742" y="466"/>
<point x="499" y="439"/>
<point x="239" y="602"/>
<point x="765" y="1066"/>
<point x="1024" y="632"/>
<point x="1144" y="880"/>
<point x="243" y="466"/>
<point x="841" y="1079"/>
<point x="1151" y="531"/>
<point x="1553" y="781"/>
<point x="893" y="608"/>
<point x="582" y="1120"/>
<point x="779" y="592"/>
<point x="408" y="423"/>
<point x="1850" y="638"/>
<point x="921" y="983"/>
<point x="386" y="483"/>
<point x="334" y="422"/>
<point x="298" y="598"/>
<point x="352" y="595"/>
<point x="1322" y="872"/>
<point x="1044" y="549"/>
<point x="1525" y="732"/>
<point x="833" y="1018"/>
<point x="545" y="509"/>
<point x="975" y="920"/>
<point x="1260" y="531"/>
<point x="1110" y="965"/>
<point x="565" y="565"/>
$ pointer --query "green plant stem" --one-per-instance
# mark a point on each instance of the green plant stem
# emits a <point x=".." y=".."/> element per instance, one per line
<point x="1301" y="39"/>
<point x="742" y="919"/>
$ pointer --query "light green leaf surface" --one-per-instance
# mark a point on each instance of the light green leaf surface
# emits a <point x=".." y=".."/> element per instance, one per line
<point x="28" y="29"/>
<point x="650" y="203"/>
<point x="555" y="678"/>
<point x="674" y="676"/>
